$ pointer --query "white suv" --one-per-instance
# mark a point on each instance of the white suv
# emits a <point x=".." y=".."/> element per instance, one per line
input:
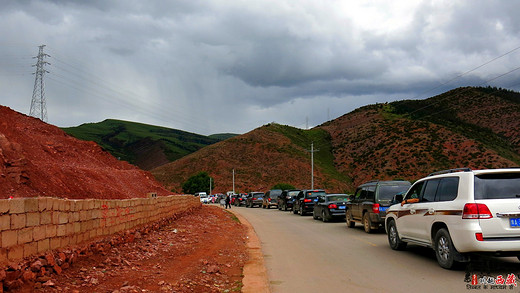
<point x="458" y="212"/>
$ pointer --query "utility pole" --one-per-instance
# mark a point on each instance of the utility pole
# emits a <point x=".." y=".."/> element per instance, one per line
<point x="38" y="107"/>
<point x="312" y="151"/>
<point x="234" y="181"/>
<point x="209" y="185"/>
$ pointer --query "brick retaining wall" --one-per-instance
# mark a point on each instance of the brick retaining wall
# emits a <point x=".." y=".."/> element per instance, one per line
<point x="30" y="226"/>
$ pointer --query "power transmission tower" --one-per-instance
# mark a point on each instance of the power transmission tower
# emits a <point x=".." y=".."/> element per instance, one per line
<point x="312" y="151"/>
<point x="38" y="107"/>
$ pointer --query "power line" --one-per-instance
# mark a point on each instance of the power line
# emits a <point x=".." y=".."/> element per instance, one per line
<point x="448" y="96"/>
<point x="461" y="75"/>
<point x="105" y="89"/>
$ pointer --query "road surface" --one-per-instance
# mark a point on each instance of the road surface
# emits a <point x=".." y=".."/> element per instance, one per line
<point x="305" y="255"/>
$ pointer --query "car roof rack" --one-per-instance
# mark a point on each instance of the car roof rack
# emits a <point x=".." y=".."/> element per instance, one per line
<point x="466" y="169"/>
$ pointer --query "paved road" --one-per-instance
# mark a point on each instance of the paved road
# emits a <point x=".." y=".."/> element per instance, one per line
<point x="305" y="255"/>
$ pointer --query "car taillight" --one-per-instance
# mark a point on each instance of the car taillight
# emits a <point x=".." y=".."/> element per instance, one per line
<point x="333" y="206"/>
<point x="269" y="200"/>
<point x="254" y="198"/>
<point x="375" y="208"/>
<point x="476" y="211"/>
<point x="307" y="200"/>
<point x="479" y="236"/>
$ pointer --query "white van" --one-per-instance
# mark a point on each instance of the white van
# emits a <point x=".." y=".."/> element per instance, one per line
<point x="203" y="197"/>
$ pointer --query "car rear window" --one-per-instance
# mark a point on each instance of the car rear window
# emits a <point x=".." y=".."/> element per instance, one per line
<point x="338" y="198"/>
<point x="315" y="193"/>
<point x="388" y="191"/>
<point x="497" y="186"/>
<point x="293" y="193"/>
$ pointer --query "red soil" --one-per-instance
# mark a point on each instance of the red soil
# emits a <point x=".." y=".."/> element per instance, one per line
<point x="38" y="159"/>
<point x="203" y="251"/>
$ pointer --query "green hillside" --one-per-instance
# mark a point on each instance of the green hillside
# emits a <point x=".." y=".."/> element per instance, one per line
<point x="222" y="136"/>
<point x="322" y="146"/>
<point x="146" y="146"/>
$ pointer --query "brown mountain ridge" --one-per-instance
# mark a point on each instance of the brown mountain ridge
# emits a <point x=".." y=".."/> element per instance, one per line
<point x="466" y="127"/>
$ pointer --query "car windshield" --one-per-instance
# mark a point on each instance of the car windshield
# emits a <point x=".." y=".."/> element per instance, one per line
<point x="388" y="191"/>
<point x="338" y="198"/>
<point x="497" y="186"/>
<point x="292" y="193"/>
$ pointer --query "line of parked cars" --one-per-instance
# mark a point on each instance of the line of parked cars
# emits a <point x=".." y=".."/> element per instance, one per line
<point x="458" y="212"/>
<point x="303" y="202"/>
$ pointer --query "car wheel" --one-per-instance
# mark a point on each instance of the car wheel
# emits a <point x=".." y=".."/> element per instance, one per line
<point x="393" y="237"/>
<point x="444" y="250"/>
<point x="324" y="217"/>
<point x="348" y="218"/>
<point x="314" y="216"/>
<point x="367" y="223"/>
<point x="302" y="213"/>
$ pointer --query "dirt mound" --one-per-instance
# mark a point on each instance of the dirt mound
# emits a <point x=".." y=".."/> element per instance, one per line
<point x="38" y="159"/>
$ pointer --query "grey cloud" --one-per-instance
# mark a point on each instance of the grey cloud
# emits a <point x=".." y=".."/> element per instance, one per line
<point x="218" y="66"/>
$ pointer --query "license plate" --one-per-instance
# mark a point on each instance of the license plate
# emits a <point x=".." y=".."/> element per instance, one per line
<point x="383" y="209"/>
<point x="514" y="222"/>
<point x="341" y="207"/>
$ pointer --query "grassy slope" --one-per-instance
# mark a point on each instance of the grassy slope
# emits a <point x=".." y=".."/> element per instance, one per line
<point x="323" y="155"/>
<point x="122" y="138"/>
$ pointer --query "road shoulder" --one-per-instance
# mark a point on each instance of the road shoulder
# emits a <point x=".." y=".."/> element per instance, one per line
<point x="255" y="273"/>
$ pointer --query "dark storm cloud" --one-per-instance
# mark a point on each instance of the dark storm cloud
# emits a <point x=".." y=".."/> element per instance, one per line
<point x="230" y="66"/>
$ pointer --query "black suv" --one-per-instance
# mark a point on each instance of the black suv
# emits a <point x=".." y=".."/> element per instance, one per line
<point x="304" y="202"/>
<point x="370" y="202"/>
<point x="271" y="198"/>
<point x="286" y="199"/>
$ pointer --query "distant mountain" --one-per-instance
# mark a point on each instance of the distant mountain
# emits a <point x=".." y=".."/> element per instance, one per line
<point x="146" y="146"/>
<point x="261" y="158"/>
<point x="465" y="127"/>
<point x="222" y="136"/>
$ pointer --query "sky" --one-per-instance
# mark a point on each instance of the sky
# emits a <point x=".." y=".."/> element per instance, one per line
<point x="220" y="66"/>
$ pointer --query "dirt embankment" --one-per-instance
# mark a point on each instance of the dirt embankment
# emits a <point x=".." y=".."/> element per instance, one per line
<point x="38" y="159"/>
<point x="203" y="251"/>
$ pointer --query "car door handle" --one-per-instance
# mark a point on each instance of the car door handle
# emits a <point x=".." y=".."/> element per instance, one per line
<point x="431" y="211"/>
<point x="412" y="211"/>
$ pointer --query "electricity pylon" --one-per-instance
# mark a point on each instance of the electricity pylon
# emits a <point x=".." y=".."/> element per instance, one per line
<point x="38" y="107"/>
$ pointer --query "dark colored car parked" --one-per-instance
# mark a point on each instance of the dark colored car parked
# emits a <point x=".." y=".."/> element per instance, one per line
<point x="304" y="202"/>
<point x="240" y="200"/>
<point x="370" y="202"/>
<point x="330" y="206"/>
<point x="271" y="198"/>
<point x="254" y="199"/>
<point x="286" y="199"/>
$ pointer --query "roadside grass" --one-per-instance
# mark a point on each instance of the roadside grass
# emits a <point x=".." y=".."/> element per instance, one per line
<point x="232" y="216"/>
